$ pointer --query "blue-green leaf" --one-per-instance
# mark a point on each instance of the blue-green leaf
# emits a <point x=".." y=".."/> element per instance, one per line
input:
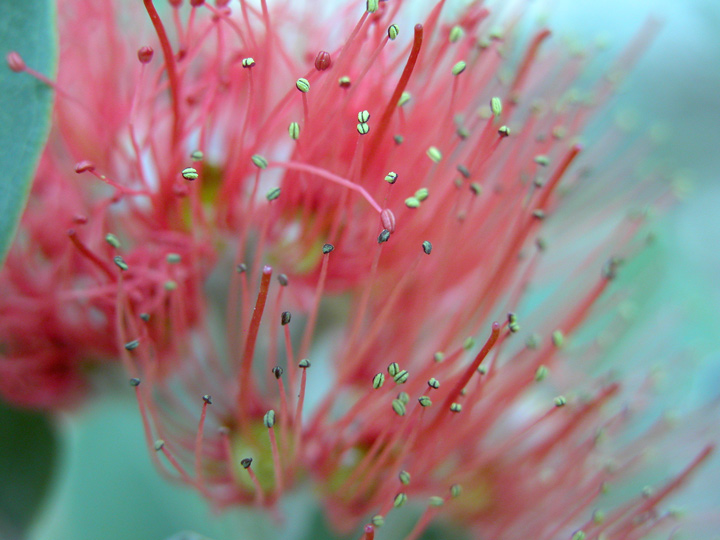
<point x="27" y="28"/>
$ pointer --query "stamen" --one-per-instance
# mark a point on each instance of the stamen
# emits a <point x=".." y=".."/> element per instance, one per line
<point x="207" y="400"/>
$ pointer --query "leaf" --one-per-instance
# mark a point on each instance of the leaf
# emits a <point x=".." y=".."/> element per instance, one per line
<point x="27" y="28"/>
<point x="27" y="456"/>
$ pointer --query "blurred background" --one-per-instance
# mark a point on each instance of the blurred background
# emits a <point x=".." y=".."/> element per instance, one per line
<point x="87" y="475"/>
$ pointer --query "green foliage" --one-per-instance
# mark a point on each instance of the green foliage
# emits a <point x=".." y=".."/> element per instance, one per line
<point x="27" y="28"/>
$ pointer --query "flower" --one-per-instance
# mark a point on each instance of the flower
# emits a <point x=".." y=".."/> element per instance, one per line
<point x="413" y="192"/>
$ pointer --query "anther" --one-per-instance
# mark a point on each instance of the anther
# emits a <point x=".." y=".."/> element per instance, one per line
<point x="144" y="317"/>
<point x="207" y="399"/>
<point x="120" y="262"/>
<point x="542" y="160"/>
<point x="393" y="31"/>
<point x="422" y="194"/>
<point x="424" y="401"/>
<point x="363" y="128"/>
<point x="404" y="98"/>
<point x="304" y="363"/>
<point x="15" y="62"/>
<point x="273" y="193"/>
<point x="111" y="239"/>
<point x="372" y="6"/>
<point x="559" y="401"/>
<point x="398" y="139"/>
<point x="378" y="380"/>
<point x="399" y="407"/>
<point x="241" y="268"/>
<point x="496" y="106"/>
<point x="285" y="317"/>
<point x="404" y="397"/>
<point x="401" y="376"/>
<point x="259" y="161"/>
<point x="197" y="155"/>
<point x="459" y="68"/>
<point x="247" y="63"/>
<point x="456" y="33"/>
<point x="558" y="339"/>
<point x="393" y="369"/>
<point x="439" y="356"/>
<point x="541" y="372"/>
<point x="433" y="383"/>
<point x="134" y="382"/>
<point x="455" y="407"/>
<point x="132" y="345"/>
<point x="504" y="131"/>
<point x="400" y="499"/>
<point x="469" y="343"/>
<point x="455" y="490"/>
<point x="462" y="169"/>
<point x="327" y="248"/>
<point x="363" y="116"/>
<point x="609" y="270"/>
<point x="539" y="214"/>
<point x="323" y="61"/>
<point x="391" y="177"/>
<point x="173" y="258"/>
<point x="246" y="462"/>
<point x="344" y="82"/>
<point x="427" y="247"/>
<point x="159" y="445"/>
<point x="303" y="85"/>
<point x="170" y="285"/>
<point x="436" y="501"/>
<point x="434" y="154"/>
<point x="378" y="521"/>
<point x="294" y="131"/>
<point x="482" y="369"/>
<point x="384" y="236"/>
<point x="404" y="477"/>
<point x="189" y="173"/>
<point x="412" y="202"/>
<point x="269" y="419"/>
<point x="578" y="535"/>
<point x="84" y="166"/>
<point x="145" y="54"/>
<point x="277" y="371"/>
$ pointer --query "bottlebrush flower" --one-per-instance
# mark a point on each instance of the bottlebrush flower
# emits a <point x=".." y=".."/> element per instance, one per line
<point x="403" y="187"/>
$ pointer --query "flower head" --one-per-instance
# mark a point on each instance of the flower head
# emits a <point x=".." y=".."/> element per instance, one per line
<point x="406" y="217"/>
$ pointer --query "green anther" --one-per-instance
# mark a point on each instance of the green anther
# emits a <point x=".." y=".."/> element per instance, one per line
<point x="598" y="517"/>
<point x="189" y="173"/>
<point x="399" y="407"/>
<point x="344" y="81"/>
<point x="144" y="316"/>
<point x="482" y="369"/>
<point x="363" y="116"/>
<point x="459" y="68"/>
<point x="404" y="397"/>
<point x="304" y="363"/>
<point x="538" y="182"/>
<point x="559" y="132"/>
<point x="398" y="139"/>
<point x="269" y="419"/>
<point x="400" y="499"/>
<point x="560" y="401"/>
<point x="439" y="356"/>
<point x="538" y="213"/>
<point x="327" y="248"/>
<point x="436" y="501"/>
<point x="248" y="62"/>
<point x="469" y="343"/>
<point x="401" y="376"/>
<point x="426" y="247"/>
<point x="533" y="341"/>
<point x="456" y="34"/>
<point x="455" y="490"/>
<point x="476" y="188"/>
<point x="173" y="258"/>
<point x="377" y="521"/>
<point x="541" y="372"/>
<point x="111" y="239"/>
<point x="422" y="194"/>
<point x="134" y="382"/>
<point x="378" y="380"/>
<point x="496" y="106"/>
<point x="578" y="535"/>
<point x="496" y="33"/>
<point x="132" y="345"/>
<point x="558" y="339"/>
<point x="434" y="154"/>
<point x="391" y="177"/>
<point x="424" y="401"/>
<point x="483" y="43"/>
<point x="462" y="169"/>
<point x="384" y="236"/>
<point x="285" y="318"/>
<point x="462" y="132"/>
<point x="259" y="161"/>
<point x="159" y="445"/>
<point x="294" y="131"/>
<point x="404" y="98"/>
<point x="455" y="407"/>
<point x="303" y="85"/>
<point x="404" y="477"/>
<point x="372" y="6"/>
<point x="246" y="462"/>
<point x="197" y="155"/>
<point x="120" y="262"/>
<point x="433" y="383"/>
<point x="170" y="285"/>
<point x="273" y="193"/>
<point x="514" y="327"/>
<point x="363" y="129"/>
<point x="504" y="131"/>
<point x="412" y="202"/>
<point x="393" y="31"/>
<point x="542" y="160"/>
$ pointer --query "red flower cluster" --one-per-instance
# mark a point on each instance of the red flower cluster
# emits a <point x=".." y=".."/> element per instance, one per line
<point x="403" y="187"/>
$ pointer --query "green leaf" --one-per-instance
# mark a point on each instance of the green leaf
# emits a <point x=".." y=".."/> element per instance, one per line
<point x="27" y="28"/>
<point x="27" y="454"/>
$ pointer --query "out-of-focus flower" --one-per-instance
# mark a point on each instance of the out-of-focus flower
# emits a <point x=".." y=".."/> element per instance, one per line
<point x="411" y="191"/>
